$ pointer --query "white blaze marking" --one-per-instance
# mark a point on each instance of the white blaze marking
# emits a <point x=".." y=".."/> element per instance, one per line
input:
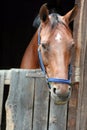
<point x="58" y="37"/>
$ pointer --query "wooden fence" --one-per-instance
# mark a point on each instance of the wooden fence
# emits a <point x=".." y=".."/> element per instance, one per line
<point x="80" y="34"/>
<point x="29" y="105"/>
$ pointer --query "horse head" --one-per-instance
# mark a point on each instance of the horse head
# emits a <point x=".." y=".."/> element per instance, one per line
<point x="55" y="46"/>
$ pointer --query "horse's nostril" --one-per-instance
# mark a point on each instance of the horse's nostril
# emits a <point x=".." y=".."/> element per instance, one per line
<point x="54" y="90"/>
<point x="70" y="88"/>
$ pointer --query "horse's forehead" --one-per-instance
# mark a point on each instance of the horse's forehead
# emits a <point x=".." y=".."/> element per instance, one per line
<point x="57" y="36"/>
<point x="58" y="33"/>
<point x="56" y="30"/>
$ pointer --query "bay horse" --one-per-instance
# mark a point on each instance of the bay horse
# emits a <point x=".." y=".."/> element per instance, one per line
<point x="50" y="49"/>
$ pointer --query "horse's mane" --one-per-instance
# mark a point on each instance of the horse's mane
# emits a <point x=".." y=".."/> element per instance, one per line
<point x="36" y="21"/>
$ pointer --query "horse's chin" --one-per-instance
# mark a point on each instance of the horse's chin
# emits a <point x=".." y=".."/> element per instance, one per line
<point x="58" y="100"/>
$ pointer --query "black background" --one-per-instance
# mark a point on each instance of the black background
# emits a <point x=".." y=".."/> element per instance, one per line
<point x="16" y="28"/>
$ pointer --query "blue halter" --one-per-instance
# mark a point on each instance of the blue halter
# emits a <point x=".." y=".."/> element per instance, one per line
<point x="57" y="80"/>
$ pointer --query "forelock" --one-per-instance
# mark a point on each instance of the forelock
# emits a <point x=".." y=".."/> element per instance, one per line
<point x="54" y="19"/>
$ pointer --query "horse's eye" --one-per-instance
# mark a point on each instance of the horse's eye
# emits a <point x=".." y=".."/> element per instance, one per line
<point x="44" y="46"/>
<point x="72" y="46"/>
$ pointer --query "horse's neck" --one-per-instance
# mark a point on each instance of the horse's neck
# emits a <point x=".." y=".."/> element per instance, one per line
<point x="30" y="59"/>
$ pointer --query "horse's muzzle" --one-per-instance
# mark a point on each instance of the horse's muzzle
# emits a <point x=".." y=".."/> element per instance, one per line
<point x="60" y="95"/>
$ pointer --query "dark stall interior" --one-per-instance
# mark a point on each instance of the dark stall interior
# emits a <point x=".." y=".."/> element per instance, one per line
<point x="16" y="27"/>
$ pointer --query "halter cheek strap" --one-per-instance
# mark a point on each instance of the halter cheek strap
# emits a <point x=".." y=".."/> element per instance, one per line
<point x="41" y="62"/>
<point x="56" y="80"/>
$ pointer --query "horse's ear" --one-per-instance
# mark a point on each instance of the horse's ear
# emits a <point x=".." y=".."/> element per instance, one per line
<point x="43" y="13"/>
<point x="71" y="15"/>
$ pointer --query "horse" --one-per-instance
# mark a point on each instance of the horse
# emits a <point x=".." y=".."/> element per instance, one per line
<point x="51" y="50"/>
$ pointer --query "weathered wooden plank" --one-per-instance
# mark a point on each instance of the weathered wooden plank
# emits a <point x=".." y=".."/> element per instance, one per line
<point x="73" y="102"/>
<point x="41" y="104"/>
<point x="81" y="123"/>
<point x="19" y="106"/>
<point x="1" y="94"/>
<point x="58" y="116"/>
<point x="83" y="105"/>
<point x="72" y="111"/>
<point x="36" y="73"/>
<point x="6" y="76"/>
<point x="77" y="30"/>
<point x="27" y="106"/>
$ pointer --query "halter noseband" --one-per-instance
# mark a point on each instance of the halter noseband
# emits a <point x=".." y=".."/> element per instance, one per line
<point x="56" y="80"/>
